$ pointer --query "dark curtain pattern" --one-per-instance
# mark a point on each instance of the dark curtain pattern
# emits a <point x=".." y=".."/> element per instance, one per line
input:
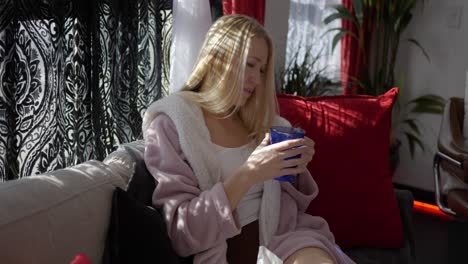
<point x="75" y="77"/>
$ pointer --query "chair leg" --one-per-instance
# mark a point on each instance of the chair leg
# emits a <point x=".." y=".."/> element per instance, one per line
<point x="437" y="183"/>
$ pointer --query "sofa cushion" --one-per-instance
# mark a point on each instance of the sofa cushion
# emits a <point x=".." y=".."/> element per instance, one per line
<point x="351" y="165"/>
<point x="51" y="218"/>
<point x="137" y="233"/>
<point x="128" y="161"/>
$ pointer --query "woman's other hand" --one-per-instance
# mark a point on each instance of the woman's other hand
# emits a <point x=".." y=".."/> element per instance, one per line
<point x="270" y="161"/>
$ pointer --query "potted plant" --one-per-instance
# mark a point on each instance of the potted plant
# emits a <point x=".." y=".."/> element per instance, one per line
<point x="304" y="77"/>
<point x="379" y="26"/>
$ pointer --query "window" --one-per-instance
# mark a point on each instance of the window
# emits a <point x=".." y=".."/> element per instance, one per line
<point x="307" y="34"/>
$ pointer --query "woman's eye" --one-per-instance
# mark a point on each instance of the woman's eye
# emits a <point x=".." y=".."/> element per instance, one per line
<point x="250" y="64"/>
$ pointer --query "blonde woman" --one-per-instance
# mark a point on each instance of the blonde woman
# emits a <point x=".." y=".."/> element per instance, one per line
<point x="208" y="148"/>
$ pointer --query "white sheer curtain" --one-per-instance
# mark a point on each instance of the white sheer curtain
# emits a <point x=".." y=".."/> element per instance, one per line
<point x="306" y="32"/>
<point x="191" y="21"/>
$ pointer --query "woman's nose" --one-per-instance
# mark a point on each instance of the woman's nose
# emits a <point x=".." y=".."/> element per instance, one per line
<point x="254" y="78"/>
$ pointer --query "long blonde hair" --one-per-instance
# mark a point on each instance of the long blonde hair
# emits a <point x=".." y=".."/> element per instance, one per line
<point x="216" y="82"/>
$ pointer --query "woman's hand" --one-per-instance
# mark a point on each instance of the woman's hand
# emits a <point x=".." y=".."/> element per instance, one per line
<point x="267" y="162"/>
<point x="270" y="161"/>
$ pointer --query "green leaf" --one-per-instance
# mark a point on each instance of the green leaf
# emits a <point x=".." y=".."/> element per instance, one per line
<point x="334" y="17"/>
<point x="358" y="82"/>
<point x="412" y="142"/>
<point x="358" y="10"/>
<point x="402" y="14"/>
<point x="397" y="26"/>
<point x="304" y="77"/>
<point x="401" y="22"/>
<point x="415" y="42"/>
<point x="427" y="109"/>
<point x="430" y="104"/>
<point x="429" y="99"/>
<point x="341" y="32"/>
<point x="410" y="5"/>
<point x="346" y="14"/>
<point x="339" y="36"/>
<point x="349" y="32"/>
<point x="412" y="124"/>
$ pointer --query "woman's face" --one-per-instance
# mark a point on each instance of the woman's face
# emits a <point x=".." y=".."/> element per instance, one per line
<point x="254" y="75"/>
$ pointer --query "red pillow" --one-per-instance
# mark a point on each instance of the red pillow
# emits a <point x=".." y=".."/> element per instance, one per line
<point x="351" y="165"/>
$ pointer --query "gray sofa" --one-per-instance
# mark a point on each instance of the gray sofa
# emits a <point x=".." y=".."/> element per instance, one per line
<point x="51" y="218"/>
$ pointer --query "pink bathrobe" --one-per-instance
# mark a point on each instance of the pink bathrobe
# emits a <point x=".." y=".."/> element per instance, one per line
<point x="197" y="222"/>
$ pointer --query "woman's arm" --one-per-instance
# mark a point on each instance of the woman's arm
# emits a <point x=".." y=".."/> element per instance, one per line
<point x="195" y="220"/>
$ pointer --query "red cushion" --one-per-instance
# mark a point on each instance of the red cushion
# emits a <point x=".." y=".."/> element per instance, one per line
<point x="351" y="165"/>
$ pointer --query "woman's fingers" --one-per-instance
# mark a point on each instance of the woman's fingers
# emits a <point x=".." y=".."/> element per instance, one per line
<point x="302" y="150"/>
<point x="309" y="142"/>
<point x="303" y="160"/>
<point x="293" y="143"/>
<point x="287" y="144"/>
<point x="293" y="171"/>
<point x="266" y="140"/>
<point x="289" y="157"/>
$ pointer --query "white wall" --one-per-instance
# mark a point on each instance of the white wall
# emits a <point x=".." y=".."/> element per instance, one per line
<point x="445" y="39"/>
<point x="276" y="23"/>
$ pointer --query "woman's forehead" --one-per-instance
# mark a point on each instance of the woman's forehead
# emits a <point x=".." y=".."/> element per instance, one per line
<point x="259" y="49"/>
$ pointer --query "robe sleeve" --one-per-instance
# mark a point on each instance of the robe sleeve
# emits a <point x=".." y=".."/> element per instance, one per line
<point x="196" y="221"/>
<point x="298" y="229"/>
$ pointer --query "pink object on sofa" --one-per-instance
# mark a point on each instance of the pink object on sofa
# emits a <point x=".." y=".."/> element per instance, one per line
<point x="81" y="259"/>
<point x="351" y="165"/>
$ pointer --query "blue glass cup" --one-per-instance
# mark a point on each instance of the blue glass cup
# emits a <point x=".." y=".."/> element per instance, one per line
<point x="282" y="133"/>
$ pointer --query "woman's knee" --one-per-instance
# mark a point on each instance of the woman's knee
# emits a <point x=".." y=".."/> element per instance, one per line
<point x="310" y="255"/>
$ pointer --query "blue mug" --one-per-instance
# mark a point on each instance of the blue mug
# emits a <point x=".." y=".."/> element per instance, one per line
<point x="282" y="133"/>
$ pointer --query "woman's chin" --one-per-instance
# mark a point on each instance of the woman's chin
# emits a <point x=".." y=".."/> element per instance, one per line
<point x="243" y="101"/>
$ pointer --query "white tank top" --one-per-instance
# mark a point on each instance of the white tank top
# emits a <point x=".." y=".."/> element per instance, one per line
<point x="231" y="159"/>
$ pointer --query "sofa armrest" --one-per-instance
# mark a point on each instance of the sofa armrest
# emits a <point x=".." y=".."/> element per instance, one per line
<point x="52" y="217"/>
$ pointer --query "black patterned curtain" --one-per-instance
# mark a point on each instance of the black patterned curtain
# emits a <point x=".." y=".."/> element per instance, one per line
<point x="75" y="77"/>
